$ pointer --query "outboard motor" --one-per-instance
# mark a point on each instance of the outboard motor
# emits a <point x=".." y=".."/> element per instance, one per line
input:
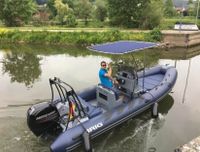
<point x="54" y="116"/>
<point x="42" y="118"/>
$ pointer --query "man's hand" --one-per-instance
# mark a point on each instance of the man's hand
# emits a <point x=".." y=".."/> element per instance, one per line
<point x="109" y="73"/>
<point x="109" y="65"/>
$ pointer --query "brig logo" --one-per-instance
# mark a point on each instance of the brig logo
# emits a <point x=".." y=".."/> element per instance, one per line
<point x="99" y="125"/>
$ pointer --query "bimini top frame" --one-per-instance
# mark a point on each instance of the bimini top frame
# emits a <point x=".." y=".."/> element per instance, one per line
<point x="122" y="47"/>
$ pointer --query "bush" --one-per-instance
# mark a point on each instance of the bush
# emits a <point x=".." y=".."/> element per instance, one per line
<point x="154" y="35"/>
<point x="114" y="35"/>
<point x="80" y="38"/>
<point x="70" y="20"/>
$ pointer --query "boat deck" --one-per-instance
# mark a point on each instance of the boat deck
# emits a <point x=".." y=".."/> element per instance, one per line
<point x="150" y="82"/>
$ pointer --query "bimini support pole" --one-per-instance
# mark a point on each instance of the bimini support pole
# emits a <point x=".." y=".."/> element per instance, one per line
<point x="86" y="140"/>
<point x="144" y="61"/>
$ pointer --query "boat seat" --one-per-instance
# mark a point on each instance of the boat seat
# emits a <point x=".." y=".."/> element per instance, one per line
<point x="91" y="110"/>
<point x="109" y="90"/>
<point x="107" y="98"/>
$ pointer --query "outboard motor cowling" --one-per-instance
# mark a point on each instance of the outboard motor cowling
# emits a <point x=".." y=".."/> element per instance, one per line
<point x="59" y="113"/>
<point x="42" y="118"/>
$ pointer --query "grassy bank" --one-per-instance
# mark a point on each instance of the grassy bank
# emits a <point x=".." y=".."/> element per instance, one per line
<point x="74" y="37"/>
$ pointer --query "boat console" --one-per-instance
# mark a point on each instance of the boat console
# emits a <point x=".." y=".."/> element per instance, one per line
<point x="107" y="98"/>
<point x="127" y="83"/>
<point x="128" y="86"/>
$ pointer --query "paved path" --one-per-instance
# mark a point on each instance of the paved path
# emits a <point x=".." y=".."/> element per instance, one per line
<point x="60" y="29"/>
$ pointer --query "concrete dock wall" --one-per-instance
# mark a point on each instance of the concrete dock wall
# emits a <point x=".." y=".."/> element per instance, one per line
<point x="192" y="146"/>
<point x="175" y="38"/>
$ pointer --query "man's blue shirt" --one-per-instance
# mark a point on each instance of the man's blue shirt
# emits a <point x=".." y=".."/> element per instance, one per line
<point x="105" y="81"/>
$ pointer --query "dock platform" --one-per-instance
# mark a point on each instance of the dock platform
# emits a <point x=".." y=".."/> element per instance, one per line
<point x="192" y="146"/>
<point x="178" y="38"/>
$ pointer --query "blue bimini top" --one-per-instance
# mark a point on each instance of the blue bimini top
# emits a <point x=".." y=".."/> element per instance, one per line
<point x="122" y="47"/>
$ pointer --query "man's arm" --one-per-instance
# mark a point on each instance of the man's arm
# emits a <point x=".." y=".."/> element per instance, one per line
<point x="109" y="74"/>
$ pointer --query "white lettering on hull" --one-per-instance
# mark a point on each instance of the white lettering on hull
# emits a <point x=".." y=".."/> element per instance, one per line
<point x="95" y="127"/>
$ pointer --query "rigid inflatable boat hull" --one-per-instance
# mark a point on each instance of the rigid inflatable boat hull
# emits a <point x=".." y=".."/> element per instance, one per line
<point x="71" y="138"/>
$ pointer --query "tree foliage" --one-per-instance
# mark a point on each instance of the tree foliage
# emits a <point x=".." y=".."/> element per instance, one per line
<point x="169" y="9"/>
<point x="70" y="20"/>
<point x="70" y="3"/>
<point x="126" y="12"/>
<point x="51" y="7"/>
<point x="101" y="10"/>
<point x="62" y="11"/>
<point x="16" y="12"/>
<point x="193" y="8"/>
<point x="83" y="9"/>
<point x="152" y="15"/>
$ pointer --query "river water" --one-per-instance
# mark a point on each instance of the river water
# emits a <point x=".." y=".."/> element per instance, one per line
<point x="24" y="74"/>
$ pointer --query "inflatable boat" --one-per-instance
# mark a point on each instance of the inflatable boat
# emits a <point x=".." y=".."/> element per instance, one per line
<point x="78" y="117"/>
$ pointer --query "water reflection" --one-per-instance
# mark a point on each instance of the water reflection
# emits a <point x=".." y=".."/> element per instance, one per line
<point x="166" y="104"/>
<point x="179" y="53"/>
<point x="22" y="68"/>
<point x="22" y="63"/>
<point x="48" y="49"/>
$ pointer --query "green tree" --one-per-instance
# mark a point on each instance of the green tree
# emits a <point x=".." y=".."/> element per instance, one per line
<point x="152" y="14"/>
<point x="70" y="3"/>
<point x="83" y="9"/>
<point x="191" y="8"/>
<point x="195" y="9"/>
<point x="126" y="12"/>
<point x="169" y="9"/>
<point x="16" y="12"/>
<point x="51" y="7"/>
<point x="70" y="20"/>
<point x="101" y="10"/>
<point x="62" y="11"/>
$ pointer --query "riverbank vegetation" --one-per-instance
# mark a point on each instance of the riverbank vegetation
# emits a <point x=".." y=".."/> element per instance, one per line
<point x="80" y="38"/>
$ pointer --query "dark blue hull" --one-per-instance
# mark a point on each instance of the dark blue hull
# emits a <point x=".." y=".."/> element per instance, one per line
<point x="158" y="83"/>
